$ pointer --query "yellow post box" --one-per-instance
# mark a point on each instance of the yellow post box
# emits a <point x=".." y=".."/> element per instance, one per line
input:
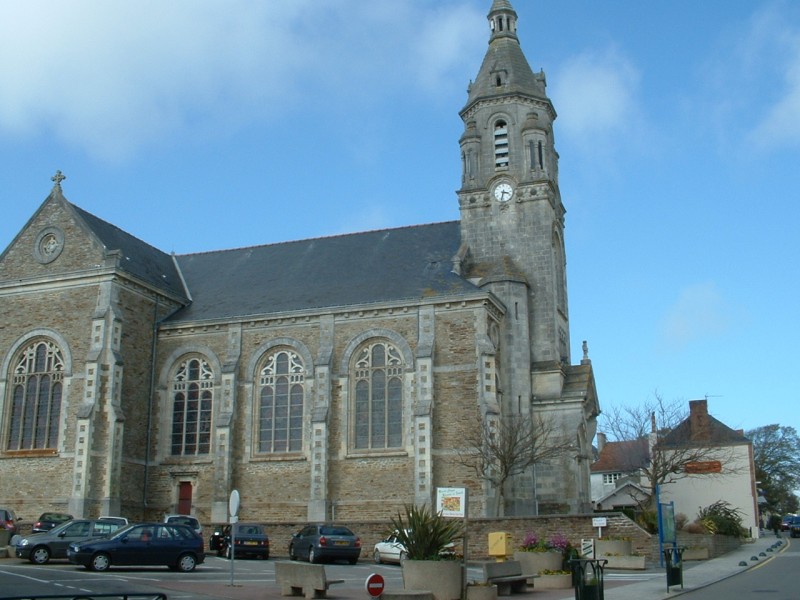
<point x="500" y="544"/>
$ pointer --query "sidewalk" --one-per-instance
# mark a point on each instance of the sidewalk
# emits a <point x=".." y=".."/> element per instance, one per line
<point x="650" y="584"/>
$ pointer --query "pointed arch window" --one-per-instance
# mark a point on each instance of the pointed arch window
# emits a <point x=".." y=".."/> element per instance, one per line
<point x="192" y="403"/>
<point x="378" y="407"/>
<point x="36" y="394"/>
<point x="280" y="403"/>
<point x="500" y="144"/>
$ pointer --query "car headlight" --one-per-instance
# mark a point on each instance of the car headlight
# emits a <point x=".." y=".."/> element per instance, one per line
<point x="23" y="542"/>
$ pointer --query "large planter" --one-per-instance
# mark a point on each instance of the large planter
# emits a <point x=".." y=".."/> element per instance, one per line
<point x="441" y="577"/>
<point x="536" y="562"/>
<point x="553" y="582"/>
<point x="625" y="562"/>
<point x="481" y="592"/>
<point x="606" y="548"/>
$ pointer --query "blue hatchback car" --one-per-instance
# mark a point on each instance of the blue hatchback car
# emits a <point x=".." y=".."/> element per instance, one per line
<point x="316" y="543"/>
<point x="175" y="546"/>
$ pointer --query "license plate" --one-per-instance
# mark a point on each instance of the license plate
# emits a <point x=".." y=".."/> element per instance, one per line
<point x="251" y="543"/>
<point x="342" y="543"/>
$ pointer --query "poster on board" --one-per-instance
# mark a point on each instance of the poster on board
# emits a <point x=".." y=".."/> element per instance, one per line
<point x="451" y="502"/>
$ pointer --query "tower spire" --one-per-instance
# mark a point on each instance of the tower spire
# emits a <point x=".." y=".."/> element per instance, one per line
<point x="502" y="19"/>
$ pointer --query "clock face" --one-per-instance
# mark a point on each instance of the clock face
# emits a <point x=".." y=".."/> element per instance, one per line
<point x="503" y="192"/>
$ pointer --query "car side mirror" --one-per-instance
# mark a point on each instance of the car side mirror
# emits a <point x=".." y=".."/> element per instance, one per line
<point x="61" y="534"/>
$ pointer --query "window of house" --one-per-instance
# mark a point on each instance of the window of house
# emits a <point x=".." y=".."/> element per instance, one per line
<point x="611" y="477"/>
<point x="500" y="144"/>
<point x="37" y="386"/>
<point x="378" y="406"/>
<point x="192" y="401"/>
<point x="280" y="403"/>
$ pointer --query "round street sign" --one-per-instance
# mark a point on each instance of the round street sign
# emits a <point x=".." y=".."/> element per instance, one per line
<point x="375" y="585"/>
<point x="233" y="503"/>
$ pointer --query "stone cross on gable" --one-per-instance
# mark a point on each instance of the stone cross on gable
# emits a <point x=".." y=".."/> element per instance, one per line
<point x="58" y="178"/>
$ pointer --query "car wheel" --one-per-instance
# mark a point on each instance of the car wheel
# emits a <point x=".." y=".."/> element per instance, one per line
<point x="377" y="556"/>
<point x="292" y="555"/>
<point x="186" y="563"/>
<point x="40" y="555"/>
<point x="312" y="556"/>
<point x="101" y="562"/>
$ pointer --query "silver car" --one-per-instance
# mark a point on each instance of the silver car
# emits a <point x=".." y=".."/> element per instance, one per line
<point x="39" y="548"/>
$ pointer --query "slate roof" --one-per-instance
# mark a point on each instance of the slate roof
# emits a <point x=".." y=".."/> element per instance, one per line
<point x="139" y="259"/>
<point x="622" y="457"/>
<point x="391" y="265"/>
<point x="505" y="53"/>
<point x="712" y="433"/>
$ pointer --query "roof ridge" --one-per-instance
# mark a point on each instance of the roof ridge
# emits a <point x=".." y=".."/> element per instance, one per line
<point x="320" y="237"/>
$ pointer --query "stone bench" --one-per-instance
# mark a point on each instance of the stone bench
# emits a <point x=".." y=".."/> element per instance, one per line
<point x="507" y="576"/>
<point x="407" y="595"/>
<point x="309" y="580"/>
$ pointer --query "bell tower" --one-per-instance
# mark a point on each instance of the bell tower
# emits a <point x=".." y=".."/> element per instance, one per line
<point x="512" y="218"/>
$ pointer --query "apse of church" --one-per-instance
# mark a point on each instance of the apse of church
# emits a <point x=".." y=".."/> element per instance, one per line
<point x="167" y="387"/>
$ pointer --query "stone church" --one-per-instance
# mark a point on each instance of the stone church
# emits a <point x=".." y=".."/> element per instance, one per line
<point x="338" y="377"/>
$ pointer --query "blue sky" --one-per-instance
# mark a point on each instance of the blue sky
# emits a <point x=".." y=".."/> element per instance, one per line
<point x="206" y="125"/>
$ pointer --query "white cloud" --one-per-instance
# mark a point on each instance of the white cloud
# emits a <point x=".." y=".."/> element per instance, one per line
<point x="596" y="93"/>
<point x="774" y="44"/>
<point x="111" y="78"/>
<point x="699" y="312"/>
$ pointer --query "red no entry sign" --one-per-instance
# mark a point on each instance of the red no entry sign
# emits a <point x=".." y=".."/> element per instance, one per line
<point x="374" y="585"/>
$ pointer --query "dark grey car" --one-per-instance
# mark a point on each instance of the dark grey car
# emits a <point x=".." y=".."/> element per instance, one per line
<point x="39" y="548"/>
<point x="316" y="543"/>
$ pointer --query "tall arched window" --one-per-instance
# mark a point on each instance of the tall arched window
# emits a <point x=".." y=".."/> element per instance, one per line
<point x="280" y="403"/>
<point x="192" y="402"/>
<point x="500" y="145"/>
<point x="36" y="397"/>
<point x="378" y="409"/>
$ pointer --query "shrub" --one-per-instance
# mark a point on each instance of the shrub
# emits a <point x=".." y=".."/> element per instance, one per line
<point x="722" y="518"/>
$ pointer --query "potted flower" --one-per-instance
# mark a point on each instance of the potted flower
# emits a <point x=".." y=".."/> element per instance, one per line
<point x="427" y="537"/>
<point x="538" y="554"/>
<point x="554" y="579"/>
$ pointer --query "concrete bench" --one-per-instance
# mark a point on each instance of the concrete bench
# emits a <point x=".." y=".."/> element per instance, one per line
<point x="507" y="576"/>
<point x="407" y="595"/>
<point x="304" y="579"/>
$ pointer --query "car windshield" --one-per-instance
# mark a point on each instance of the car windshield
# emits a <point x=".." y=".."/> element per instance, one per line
<point x="335" y="531"/>
<point x="55" y="517"/>
<point x="59" y="528"/>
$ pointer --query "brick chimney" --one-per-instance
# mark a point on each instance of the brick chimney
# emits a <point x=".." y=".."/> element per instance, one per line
<point x="601" y="442"/>
<point x="698" y="421"/>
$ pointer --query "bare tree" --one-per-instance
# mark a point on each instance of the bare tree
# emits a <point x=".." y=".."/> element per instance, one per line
<point x="498" y="449"/>
<point x="670" y="451"/>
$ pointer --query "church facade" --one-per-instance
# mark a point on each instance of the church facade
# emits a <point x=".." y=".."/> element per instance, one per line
<point x="330" y="378"/>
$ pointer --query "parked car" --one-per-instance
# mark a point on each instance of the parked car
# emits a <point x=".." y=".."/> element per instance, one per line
<point x="393" y="551"/>
<point x="250" y="539"/>
<point x="389" y="550"/>
<point x="786" y="521"/>
<point x="794" y="527"/>
<point x="185" y="520"/>
<point x="316" y="543"/>
<point x="8" y="521"/>
<point x="48" y="520"/>
<point x="39" y="548"/>
<point x="173" y="545"/>
<point x="121" y="521"/>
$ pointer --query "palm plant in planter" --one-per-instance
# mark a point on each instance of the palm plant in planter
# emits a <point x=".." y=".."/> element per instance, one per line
<point x="427" y="536"/>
